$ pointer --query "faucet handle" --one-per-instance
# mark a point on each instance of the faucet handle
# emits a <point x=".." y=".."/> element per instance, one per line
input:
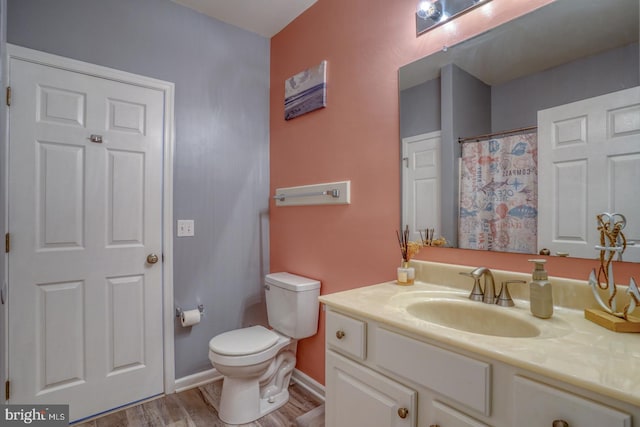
<point x="476" y="293"/>
<point x="504" y="297"/>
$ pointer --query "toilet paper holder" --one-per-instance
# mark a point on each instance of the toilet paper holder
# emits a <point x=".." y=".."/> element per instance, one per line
<point x="179" y="310"/>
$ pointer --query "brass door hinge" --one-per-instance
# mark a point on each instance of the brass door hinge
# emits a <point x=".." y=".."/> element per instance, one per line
<point x="8" y="96"/>
<point x="7" y="390"/>
<point x="7" y="243"/>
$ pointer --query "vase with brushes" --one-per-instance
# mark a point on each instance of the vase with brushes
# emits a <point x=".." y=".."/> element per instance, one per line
<point x="406" y="274"/>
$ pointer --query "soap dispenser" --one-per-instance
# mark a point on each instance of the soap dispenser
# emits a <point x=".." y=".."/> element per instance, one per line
<point x="540" y="295"/>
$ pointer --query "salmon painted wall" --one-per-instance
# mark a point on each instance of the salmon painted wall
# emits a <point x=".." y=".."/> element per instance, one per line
<point x="357" y="138"/>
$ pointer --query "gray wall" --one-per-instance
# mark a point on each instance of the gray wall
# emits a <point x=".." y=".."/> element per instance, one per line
<point x="221" y="171"/>
<point x="466" y="110"/>
<point x="471" y="104"/>
<point x="515" y="103"/>
<point x="420" y="109"/>
<point x="449" y="154"/>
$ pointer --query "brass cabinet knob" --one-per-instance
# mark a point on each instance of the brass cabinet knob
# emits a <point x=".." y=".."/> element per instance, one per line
<point x="403" y="412"/>
<point x="434" y="425"/>
<point x="152" y="258"/>
<point x="560" y="423"/>
<point x="340" y="334"/>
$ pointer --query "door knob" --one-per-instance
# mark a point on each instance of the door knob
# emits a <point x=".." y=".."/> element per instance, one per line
<point x="152" y="258"/>
<point x="403" y="412"/>
<point x="96" y="138"/>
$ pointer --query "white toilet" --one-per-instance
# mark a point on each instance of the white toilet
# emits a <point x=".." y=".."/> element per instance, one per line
<point x="257" y="362"/>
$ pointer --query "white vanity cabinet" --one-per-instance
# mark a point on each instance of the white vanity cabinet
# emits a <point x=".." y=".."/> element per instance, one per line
<point x="360" y="396"/>
<point x="536" y="404"/>
<point x="378" y="376"/>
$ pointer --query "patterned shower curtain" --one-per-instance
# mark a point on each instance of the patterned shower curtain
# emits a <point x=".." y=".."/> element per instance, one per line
<point x="499" y="194"/>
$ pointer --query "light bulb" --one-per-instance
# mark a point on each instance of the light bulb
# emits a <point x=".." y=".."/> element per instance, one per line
<point x="422" y="8"/>
<point x="429" y="9"/>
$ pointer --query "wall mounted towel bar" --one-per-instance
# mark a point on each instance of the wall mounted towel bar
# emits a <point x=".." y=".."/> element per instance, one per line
<point x="333" y="193"/>
<point x="329" y="193"/>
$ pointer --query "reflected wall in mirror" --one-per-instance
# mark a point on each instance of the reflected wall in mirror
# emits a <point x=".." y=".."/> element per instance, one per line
<point x="563" y="53"/>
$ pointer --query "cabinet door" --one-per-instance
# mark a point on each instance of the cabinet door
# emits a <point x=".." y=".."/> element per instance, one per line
<point x="359" y="397"/>
<point x="445" y="416"/>
<point x="538" y="405"/>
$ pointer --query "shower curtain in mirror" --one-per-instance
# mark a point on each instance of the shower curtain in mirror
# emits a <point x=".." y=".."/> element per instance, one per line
<point x="499" y="194"/>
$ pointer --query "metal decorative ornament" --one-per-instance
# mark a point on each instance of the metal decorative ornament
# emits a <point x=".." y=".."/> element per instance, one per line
<point x="612" y="243"/>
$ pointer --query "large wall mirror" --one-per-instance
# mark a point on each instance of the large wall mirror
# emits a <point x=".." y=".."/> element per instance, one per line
<point x="503" y="103"/>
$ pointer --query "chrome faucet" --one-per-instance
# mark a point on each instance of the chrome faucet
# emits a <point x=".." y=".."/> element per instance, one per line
<point x="488" y="296"/>
<point x="504" y="297"/>
<point x="476" y="293"/>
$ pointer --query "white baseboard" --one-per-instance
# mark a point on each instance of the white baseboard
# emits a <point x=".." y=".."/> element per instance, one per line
<point x="308" y="383"/>
<point x="197" y="379"/>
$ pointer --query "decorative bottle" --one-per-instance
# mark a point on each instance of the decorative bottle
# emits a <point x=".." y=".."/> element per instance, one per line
<point x="406" y="274"/>
<point x="540" y="296"/>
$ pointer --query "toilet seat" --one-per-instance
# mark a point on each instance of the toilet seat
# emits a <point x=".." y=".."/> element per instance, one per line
<point x="242" y="342"/>
<point x="246" y="346"/>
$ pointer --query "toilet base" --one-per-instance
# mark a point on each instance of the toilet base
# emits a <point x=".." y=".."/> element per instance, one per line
<point x="236" y="400"/>
<point x="272" y="403"/>
<point x="245" y="399"/>
<point x="240" y="401"/>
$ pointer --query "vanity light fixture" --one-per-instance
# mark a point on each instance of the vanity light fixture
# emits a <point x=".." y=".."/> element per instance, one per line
<point x="429" y="9"/>
<point x="432" y="13"/>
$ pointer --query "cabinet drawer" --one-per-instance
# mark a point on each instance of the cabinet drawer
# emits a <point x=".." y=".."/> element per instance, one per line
<point x="458" y="377"/>
<point x="530" y="396"/>
<point x="346" y="334"/>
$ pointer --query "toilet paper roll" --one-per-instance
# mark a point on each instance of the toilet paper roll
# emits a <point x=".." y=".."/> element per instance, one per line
<point x="190" y="317"/>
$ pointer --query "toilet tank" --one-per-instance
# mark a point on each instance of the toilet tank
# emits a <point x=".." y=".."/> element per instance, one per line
<point x="292" y="304"/>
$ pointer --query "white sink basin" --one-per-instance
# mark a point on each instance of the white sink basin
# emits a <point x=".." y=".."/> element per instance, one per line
<point x="473" y="317"/>
<point x="451" y="308"/>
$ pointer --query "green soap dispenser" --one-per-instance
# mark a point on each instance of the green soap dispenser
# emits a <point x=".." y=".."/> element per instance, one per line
<point x="540" y="295"/>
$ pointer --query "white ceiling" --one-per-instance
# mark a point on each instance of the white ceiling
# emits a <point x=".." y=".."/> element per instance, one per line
<point x="264" y="17"/>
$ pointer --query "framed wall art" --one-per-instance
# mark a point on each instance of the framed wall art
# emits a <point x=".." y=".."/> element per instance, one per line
<point x="306" y="91"/>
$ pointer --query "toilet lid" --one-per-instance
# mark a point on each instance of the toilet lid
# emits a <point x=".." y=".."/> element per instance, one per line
<point x="243" y="341"/>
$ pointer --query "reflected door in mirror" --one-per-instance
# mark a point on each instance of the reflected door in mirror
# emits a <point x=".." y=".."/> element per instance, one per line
<point x="421" y="183"/>
<point x="589" y="157"/>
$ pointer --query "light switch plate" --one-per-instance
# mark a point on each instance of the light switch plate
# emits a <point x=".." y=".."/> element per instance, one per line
<point x="185" y="228"/>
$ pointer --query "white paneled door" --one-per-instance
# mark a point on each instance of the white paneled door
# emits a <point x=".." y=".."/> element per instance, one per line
<point x="85" y="216"/>
<point x="589" y="163"/>
<point x="421" y="183"/>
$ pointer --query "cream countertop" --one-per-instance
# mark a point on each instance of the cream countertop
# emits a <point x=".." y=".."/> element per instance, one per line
<point x="570" y="348"/>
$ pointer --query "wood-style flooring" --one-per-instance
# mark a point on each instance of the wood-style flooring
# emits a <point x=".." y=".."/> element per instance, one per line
<point x="195" y="408"/>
